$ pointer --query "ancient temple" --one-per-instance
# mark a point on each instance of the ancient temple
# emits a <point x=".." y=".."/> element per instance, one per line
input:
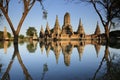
<point x="67" y="33"/>
<point x="56" y="30"/>
<point x="47" y="31"/>
<point x="67" y="28"/>
<point x="80" y="30"/>
<point x="5" y="36"/>
<point x="41" y="35"/>
<point x="97" y="30"/>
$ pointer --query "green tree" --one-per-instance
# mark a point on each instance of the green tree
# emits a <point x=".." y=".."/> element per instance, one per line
<point x="1" y="34"/>
<point x="27" y="5"/>
<point x="21" y="36"/>
<point x="9" y="35"/>
<point x="30" y="31"/>
<point x="108" y="12"/>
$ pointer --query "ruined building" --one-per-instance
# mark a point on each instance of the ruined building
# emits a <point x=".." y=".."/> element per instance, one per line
<point x="67" y="33"/>
<point x="5" y="35"/>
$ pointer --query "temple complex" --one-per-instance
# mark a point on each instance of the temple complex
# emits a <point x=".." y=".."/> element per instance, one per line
<point x="66" y="32"/>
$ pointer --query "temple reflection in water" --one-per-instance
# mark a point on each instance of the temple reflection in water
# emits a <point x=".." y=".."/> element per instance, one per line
<point x="66" y="47"/>
<point x="69" y="57"/>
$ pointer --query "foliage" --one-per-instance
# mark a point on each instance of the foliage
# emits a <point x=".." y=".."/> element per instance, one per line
<point x="30" y="31"/>
<point x="1" y="35"/>
<point x="1" y="45"/>
<point x="9" y="35"/>
<point x="31" y="47"/>
<point x="107" y="10"/>
<point x="27" y="5"/>
<point x="21" y="36"/>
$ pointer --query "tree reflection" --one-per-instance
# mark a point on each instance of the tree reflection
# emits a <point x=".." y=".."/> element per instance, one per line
<point x="21" y="42"/>
<point x="16" y="54"/>
<point x="111" y="62"/>
<point x="112" y="70"/>
<point x="45" y="69"/>
<point x="32" y="46"/>
<point x="5" y="45"/>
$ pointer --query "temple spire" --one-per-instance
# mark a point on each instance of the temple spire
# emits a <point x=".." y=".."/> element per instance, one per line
<point x="80" y="22"/>
<point x="47" y="31"/>
<point x="80" y="28"/>
<point x="47" y="26"/>
<point x="67" y="19"/>
<point x="67" y="28"/>
<point x="41" y="35"/>
<point x="57" y="22"/>
<point x="97" y="30"/>
<point x="42" y="30"/>
<point x="5" y="34"/>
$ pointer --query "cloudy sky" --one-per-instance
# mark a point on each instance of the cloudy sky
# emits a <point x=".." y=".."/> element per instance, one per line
<point x="54" y="7"/>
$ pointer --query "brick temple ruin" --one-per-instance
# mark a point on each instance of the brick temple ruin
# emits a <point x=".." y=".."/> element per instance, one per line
<point x="67" y="33"/>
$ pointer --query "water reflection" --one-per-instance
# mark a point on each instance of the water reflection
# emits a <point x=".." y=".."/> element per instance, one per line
<point x="16" y="53"/>
<point x="45" y="69"/>
<point x="112" y="69"/>
<point x="32" y="46"/>
<point x="66" y="47"/>
<point x="5" y="45"/>
<point x="107" y="68"/>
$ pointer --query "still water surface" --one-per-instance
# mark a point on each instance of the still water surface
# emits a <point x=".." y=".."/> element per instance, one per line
<point x="65" y="60"/>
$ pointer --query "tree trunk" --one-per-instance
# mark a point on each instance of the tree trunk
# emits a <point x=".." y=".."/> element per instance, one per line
<point x="15" y="39"/>
<point x="107" y="33"/>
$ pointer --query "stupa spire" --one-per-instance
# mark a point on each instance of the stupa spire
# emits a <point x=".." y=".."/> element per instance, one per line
<point x="42" y="30"/>
<point x="5" y="34"/>
<point x="80" y="22"/>
<point x="80" y="28"/>
<point x="57" y="22"/>
<point x="67" y="19"/>
<point x="47" y="26"/>
<point x="97" y="30"/>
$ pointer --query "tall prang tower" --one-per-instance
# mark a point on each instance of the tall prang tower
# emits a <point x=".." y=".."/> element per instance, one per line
<point x="56" y="30"/>
<point x="67" y="19"/>
<point x="67" y="28"/>
<point x="97" y="30"/>
<point x="5" y="36"/>
<point x="80" y="30"/>
<point x="42" y="33"/>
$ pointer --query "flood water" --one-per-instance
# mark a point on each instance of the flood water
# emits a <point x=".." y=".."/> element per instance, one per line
<point x="61" y="60"/>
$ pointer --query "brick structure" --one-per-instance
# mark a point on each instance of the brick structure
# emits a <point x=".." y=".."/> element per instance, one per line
<point x="67" y="33"/>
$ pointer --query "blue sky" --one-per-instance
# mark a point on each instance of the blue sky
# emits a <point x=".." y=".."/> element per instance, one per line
<point x="54" y="7"/>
